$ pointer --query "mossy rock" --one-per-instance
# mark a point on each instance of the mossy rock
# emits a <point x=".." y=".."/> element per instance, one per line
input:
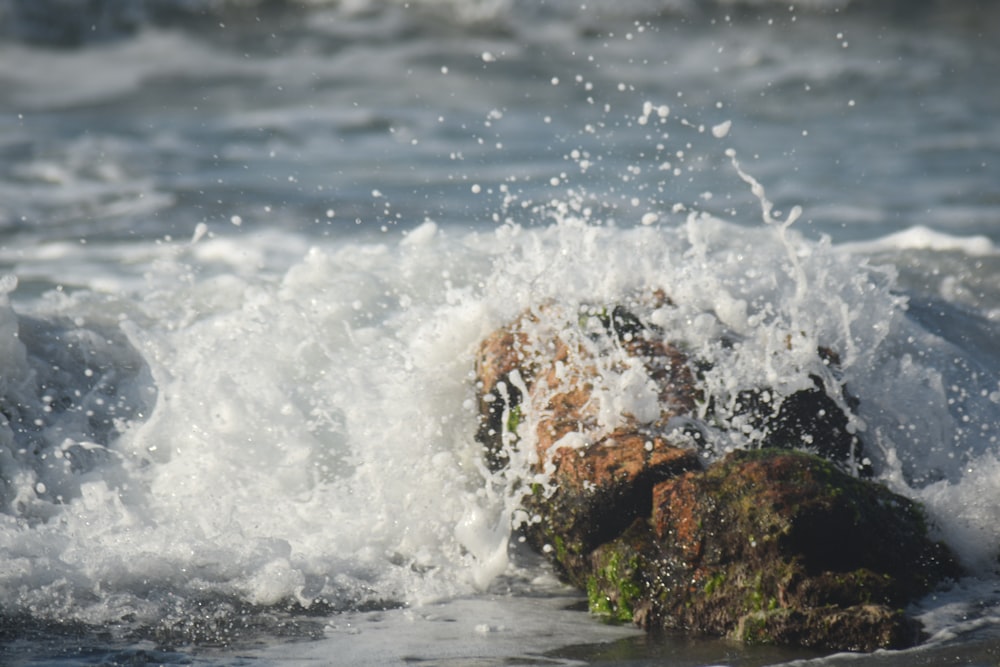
<point x="579" y="517"/>
<point x="618" y="583"/>
<point x="769" y="547"/>
<point x="855" y="541"/>
<point x="856" y="628"/>
<point x="773" y="546"/>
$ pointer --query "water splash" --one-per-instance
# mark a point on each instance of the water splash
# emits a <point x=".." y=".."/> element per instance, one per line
<point x="302" y="435"/>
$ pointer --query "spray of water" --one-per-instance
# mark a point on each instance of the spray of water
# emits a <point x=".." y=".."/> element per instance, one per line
<point x="303" y="435"/>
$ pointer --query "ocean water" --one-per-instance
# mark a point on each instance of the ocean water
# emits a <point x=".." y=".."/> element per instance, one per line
<point x="248" y="250"/>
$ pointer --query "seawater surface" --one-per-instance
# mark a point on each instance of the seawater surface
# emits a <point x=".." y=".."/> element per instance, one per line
<point x="249" y="249"/>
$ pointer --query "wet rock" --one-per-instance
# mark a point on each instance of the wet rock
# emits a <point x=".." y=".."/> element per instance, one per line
<point x="808" y="418"/>
<point x="598" y="413"/>
<point x="782" y="547"/>
<point x="597" y="494"/>
<point x="548" y="379"/>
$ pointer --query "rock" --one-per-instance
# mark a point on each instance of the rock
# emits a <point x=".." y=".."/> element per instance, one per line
<point x="561" y="371"/>
<point x="598" y="493"/>
<point x="537" y="376"/>
<point x="778" y="546"/>
<point x="807" y="418"/>
<point x="598" y="413"/>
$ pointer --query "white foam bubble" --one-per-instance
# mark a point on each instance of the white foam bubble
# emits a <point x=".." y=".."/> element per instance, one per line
<point x="722" y="129"/>
<point x="965" y="511"/>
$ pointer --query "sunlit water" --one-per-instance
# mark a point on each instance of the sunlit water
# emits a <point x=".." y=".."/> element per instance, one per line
<point x="248" y="253"/>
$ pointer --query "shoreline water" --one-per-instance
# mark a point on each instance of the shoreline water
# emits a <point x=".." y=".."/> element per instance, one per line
<point x="484" y="630"/>
<point x="293" y="223"/>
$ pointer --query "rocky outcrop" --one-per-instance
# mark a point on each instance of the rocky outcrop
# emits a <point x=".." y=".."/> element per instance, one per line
<point x="606" y="420"/>
<point x="778" y="547"/>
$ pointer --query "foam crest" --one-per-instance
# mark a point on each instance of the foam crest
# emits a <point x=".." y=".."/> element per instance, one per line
<point x="924" y="238"/>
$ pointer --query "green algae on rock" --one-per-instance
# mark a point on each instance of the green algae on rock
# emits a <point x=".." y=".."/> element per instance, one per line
<point x="774" y="547"/>
<point x="782" y="547"/>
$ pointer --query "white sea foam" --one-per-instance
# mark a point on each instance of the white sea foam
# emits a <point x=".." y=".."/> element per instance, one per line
<point x="306" y="434"/>
<point x="263" y="418"/>
<point x="924" y="238"/>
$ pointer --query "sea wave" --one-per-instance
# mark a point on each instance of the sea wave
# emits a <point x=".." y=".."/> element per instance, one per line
<point x="68" y="23"/>
<point x="925" y="238"/>
<point x="297" y="432"/>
